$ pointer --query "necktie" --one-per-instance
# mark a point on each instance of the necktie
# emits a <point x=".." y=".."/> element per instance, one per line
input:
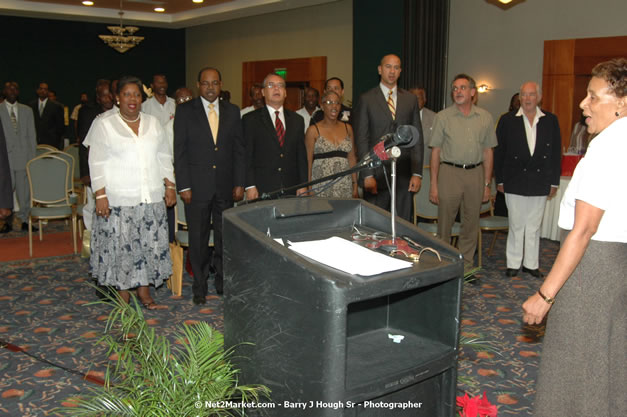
<point x="213" y="123"/>
<point x="41" y="108"/>
<point x="391" y="105"/>
<point x="280" y="130"/>
<point x="13" y="120"/>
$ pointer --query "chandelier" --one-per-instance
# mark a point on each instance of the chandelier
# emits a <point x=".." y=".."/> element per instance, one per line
<point x="123" y="37"/>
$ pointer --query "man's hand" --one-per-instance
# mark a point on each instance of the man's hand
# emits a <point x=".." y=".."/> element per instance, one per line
<point x="433" y="194"/>
<point x="486" y="194"/>
<point x="252" y="194"/>
<point x="302" y="191"/>
<point x="4" y="213"/>
<point x="238" y="193"/>
<point x="86" y="180"/>
<point x="552" y="192"/>
<point x="535" y="308"/>
<point x="414" y="184"/>
<point x="186" y="196"/>
<point x="370" y="185"/>
<point x="500" y="188"/>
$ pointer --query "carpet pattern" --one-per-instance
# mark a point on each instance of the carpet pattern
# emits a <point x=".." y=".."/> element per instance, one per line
<point x="48" y="310"/>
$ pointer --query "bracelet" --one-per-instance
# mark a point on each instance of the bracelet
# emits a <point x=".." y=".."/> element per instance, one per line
<point x="170" y="187"/>
<point x="101" y="196"/>
<point x="545" y="298"/>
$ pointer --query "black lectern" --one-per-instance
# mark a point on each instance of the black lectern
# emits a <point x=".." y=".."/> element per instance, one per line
<point x="341" y="344"/>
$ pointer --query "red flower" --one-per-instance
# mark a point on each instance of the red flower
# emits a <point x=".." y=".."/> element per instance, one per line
<point x="476" y="406"/>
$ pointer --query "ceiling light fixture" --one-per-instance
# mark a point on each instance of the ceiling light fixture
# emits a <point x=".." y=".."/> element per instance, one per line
<point x="88" y="3"/>
<point x="505" y="4"/>
<point x="483" y="88"/>
<point x="122" y="39"/>
<point x="159" y="9"/>
<point x="198" y="1"/>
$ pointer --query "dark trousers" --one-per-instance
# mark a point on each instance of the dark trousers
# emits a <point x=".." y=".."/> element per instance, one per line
<point x="201" y="217"/>
<point x="404" y="199"/>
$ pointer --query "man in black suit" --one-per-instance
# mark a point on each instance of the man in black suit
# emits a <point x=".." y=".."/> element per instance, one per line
<point x="379" y="112"/>
<point x="527" y="165"/>
<point x="275" y="144"/>
<point x="209" y="160"/>
<point x="336" y="85"/>
<point x="6" y="190"/>
<point x="48" y="118"/>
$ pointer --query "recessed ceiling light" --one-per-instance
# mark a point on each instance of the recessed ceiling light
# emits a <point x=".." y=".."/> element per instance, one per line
<point x="88" y="3"/>
<point x="159" y="9"/>
<point x="198" y="1"/>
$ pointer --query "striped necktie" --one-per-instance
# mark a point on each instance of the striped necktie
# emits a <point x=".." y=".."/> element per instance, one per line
<point x="280" y="130"/>
<point x="13" y="119"/>
<point x="391" y="105"/>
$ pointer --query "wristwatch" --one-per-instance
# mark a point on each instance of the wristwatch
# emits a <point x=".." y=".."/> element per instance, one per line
<point x="545" y="298"/>
<point x="487" y="184"/>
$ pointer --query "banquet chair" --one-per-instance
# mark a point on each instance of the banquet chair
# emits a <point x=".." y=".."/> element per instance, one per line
<point x="48" y="179"/>
<point x="425" y="209"/>
<point x="42" y="149"/>
<point x="488" y="222"/>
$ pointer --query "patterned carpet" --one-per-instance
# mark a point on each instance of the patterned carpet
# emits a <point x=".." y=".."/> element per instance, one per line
<point x="47" y="310"/>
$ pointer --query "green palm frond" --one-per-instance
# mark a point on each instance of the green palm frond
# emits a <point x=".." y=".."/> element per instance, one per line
<point x="150" y="378"/>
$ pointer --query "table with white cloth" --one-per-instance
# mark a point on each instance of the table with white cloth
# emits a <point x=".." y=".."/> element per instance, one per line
<point x="550" y="229"/>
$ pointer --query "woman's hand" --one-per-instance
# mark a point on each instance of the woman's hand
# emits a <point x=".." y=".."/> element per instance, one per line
<point x="102" y="207"/>
<point x="535" y="309"/>
<point x="170" y="197"/>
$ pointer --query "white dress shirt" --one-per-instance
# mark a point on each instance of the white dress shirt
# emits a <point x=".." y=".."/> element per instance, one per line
<point x="163" y="112"/>
<point x="531" y="129"/>
<point x="303" y="112"/>
<point x="130" y="167"/>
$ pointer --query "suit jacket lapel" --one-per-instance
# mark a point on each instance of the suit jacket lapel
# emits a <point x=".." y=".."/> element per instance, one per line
<point x="383" y="104"/>
<point x="203" y="122"/>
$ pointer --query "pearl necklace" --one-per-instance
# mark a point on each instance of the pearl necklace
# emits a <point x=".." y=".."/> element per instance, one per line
<point x="129" y="121"/>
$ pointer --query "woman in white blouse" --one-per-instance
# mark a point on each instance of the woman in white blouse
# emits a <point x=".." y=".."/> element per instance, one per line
<point x="131" y="171"/>
<point x="583" y="369"/>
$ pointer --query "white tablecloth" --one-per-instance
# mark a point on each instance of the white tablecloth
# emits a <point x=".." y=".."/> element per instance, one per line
<point x="549" y="229"/>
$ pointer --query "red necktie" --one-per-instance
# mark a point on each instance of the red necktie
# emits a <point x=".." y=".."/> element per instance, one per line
<point x="280" y="130"/>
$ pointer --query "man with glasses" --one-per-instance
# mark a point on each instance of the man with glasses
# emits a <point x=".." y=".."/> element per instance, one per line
<point x="380" y="111"/>
<point x="275" y="144"/>
<point x="209" y="160"/>
<point x="461" y="165"/>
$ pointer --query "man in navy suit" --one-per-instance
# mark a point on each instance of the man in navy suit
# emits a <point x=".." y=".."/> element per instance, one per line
<point x="275" y="144"/>
<point x="209" y="161"/>
<point x="527" y="169"/>
<point x="49" y="122"/>
<point x="379" y="112"/>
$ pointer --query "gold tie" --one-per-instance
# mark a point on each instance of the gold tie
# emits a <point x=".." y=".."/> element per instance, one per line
<point x="391" y="105"/>
<point x="213" y="123"/>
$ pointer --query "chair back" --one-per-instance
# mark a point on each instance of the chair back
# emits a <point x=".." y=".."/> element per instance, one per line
<point x="70" y="160"/>
<point x="48" y="178"/>
<point x="73" y="150"/>
<point x="422" y="206"/>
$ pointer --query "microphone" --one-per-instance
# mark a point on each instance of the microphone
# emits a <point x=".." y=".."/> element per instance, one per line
<point x="406" y="136"/>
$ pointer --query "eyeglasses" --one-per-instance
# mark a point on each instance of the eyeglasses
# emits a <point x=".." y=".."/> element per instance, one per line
<point x="329" y="102"/>
<point x="272" y="85"/>
<point x="181" y="100"/>
<point x="213" y="83"/>
<point x="461" y="87"/>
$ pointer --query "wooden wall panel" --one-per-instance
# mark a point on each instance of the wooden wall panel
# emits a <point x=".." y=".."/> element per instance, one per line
<point x="310" y="71"/>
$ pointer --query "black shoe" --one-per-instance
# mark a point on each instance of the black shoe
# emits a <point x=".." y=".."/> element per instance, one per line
<point x="199" y="299"/>
<point x="219" y="286"/>
<point x="6" y="228"/>
<point x="533" y="272"/>
<point x="511" y="272"/>
<point x="25" y="228"/>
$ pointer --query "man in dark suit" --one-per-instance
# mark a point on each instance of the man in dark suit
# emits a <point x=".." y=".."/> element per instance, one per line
<point x="48" y="118"/>
<point x="527" y="164"/>
<point x="336" y="85"/>
<point x="275" y="144"/>
<point x="209" y="160"/>
<point x="379" y="112"/>
<point x="6" y="191"/>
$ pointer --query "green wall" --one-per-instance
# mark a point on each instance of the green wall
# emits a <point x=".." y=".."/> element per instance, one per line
<point x="71" y="57"/>
<point x="377" y="30"/>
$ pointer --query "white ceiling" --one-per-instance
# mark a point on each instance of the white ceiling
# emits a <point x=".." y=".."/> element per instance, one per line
<point x="188" y="16"/>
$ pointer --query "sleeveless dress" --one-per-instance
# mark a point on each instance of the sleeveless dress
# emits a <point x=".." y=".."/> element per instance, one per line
<point x="329" y="159"/>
